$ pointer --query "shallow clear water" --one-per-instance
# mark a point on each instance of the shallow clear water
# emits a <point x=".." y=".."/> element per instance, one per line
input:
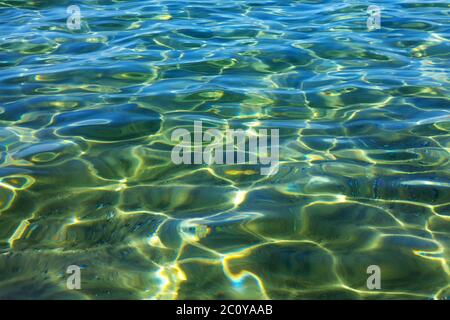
<point x="86" y="176"/>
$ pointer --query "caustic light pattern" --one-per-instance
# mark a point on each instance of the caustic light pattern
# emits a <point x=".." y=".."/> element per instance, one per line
<point x="86" y="177"/>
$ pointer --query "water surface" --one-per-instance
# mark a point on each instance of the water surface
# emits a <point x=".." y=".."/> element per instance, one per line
<point x="86" y="176"/>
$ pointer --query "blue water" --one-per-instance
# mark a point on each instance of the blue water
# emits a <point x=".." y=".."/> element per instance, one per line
<point x="87" y="179"/>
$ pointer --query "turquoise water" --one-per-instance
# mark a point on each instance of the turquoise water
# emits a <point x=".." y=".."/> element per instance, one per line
<point x="86" y="176"/>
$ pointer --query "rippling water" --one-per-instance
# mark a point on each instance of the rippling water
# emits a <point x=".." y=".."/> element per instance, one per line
<point x="86" y="176"/>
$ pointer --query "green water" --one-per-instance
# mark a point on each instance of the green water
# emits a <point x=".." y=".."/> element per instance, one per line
<point x="86" y="176"/>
